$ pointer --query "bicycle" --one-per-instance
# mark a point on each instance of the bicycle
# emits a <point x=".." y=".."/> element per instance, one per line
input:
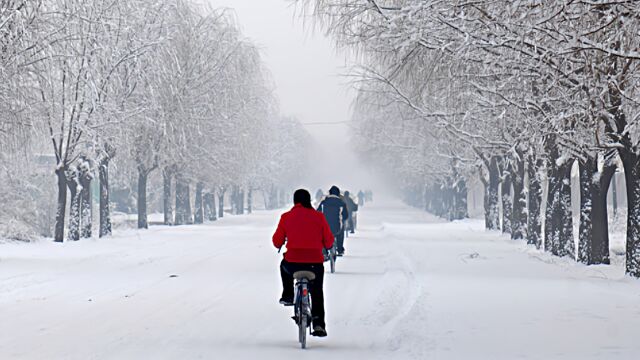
<point x="333" y="255"/>
<point x="302" y="305"/>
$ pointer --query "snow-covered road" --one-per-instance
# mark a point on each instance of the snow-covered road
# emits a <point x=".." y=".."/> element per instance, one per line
<point x="410" y="286"/>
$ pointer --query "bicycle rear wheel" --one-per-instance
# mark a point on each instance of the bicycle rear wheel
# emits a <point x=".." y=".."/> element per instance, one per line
<point x="302" y="331"/>
<point x="332" y="258"/>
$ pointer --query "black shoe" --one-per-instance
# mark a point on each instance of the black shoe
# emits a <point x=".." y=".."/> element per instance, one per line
<point x="319" y="331"/>
<point x="340" y="254"/>
<point x="352" y="232"/>
<point x="286" y="302"/>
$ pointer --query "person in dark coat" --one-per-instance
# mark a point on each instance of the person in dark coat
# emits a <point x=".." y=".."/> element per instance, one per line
<point x="369" y="195"/>
<point x="352" y="207"/>
<point x="360" y="198"/>
<point x="336" y="212"/>
<point x="307" y="234"/>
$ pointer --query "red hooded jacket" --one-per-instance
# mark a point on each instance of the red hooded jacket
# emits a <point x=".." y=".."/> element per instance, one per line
<point x="306" y="232"/>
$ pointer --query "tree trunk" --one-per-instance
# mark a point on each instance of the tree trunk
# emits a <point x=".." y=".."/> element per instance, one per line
<point x="552" y="193"/>
<point x="441" y="195"/>
<point x="142" y="199"/>
<point x="181" y="201"/>
<point x="206" y="206"/>
<point x="565" y="213"/>
<point x="630" y="160"/>
<point x="105" y="211"/>
<point x="450" y="200"/>
<point x="486" y="205"/>
<point x="460" y="206"/>
<point x="199" y="205"/>
<point x="492" y="193"/>
<point x="187" y="203"/>
<point x="221" y="203"/>
<point x="235" y="193"/>
<point x="281" y="200"/>
<point x="241" y="202"/>
<point x="74" y="209"/>
<point x="214" y="214"/>
<point x="180" y="216"/>
<point x="519" y="214"/>
<point x="614" y="196"/>
<point x="274" y="198"/>
<point x="632" y="177"/>
<point x="431" y="198"/>
<point x="558" y="215"/>
<point x="250" y="201"/>
<point x="552" y="210"/>
<point x="167" y="175"/>
<point x="61" y="208"/>
<point x="507" y="205"/>
<point x="534" y="224"/>
<point x="588" y="169"/>
<point x="209" y="207"/>
<point x="600" y="244"/>
<point x="265" y="199"/>
<point x="438" y="202"/>
<point x="86" y="205"/>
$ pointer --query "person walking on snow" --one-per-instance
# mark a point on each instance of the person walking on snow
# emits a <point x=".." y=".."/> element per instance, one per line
<point x="352" y="207"/>
<point x="336" y="212"/>
<point x="307" y="234"/>
<point x="360" y="198"/>
<point x="319" y="196"/>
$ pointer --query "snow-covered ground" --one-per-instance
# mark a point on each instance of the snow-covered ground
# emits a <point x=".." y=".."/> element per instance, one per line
<point x="410" y="286"/>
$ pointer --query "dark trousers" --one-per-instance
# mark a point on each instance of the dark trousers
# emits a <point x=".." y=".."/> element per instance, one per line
<point x="340" y="241"/>
<point x="287" y="269"/>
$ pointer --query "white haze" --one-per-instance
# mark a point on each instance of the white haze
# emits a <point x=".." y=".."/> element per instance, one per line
<point x="307" y="72"/>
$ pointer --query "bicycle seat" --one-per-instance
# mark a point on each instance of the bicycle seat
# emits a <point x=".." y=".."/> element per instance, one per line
<point x="299" y="275"/>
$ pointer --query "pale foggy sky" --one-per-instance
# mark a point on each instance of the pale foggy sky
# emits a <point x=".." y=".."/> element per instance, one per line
<point x="305" y="67"/>
<point x="308" y="75"/>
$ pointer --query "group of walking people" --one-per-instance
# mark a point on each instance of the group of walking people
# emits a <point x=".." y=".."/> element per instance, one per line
<point x="309" y="232"/>
<point x="340" y="211"/>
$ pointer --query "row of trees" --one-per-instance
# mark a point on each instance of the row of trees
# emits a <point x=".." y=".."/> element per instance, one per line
<point x="519" y="91"/>
<point x="142" y="88"/>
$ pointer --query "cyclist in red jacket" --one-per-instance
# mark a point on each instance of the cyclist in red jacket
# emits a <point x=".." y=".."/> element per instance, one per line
<point x="307" y="233"/>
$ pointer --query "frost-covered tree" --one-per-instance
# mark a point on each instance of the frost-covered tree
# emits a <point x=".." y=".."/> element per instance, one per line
<point x="545" y="84"/>
<point x="144" y="85"/>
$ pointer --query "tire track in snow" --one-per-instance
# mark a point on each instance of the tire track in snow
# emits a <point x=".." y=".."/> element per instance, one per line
<point x="398" y="301"/>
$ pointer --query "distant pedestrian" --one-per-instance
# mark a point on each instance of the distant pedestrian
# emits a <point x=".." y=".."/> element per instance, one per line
<point x="352" y="207"/>
<point x="369" y="195"/>
<point x="336" y="212"/>
<point x="361" y="199"/>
